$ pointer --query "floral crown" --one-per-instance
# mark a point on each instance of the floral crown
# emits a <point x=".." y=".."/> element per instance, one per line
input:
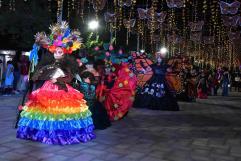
<point x="60" y="36"/>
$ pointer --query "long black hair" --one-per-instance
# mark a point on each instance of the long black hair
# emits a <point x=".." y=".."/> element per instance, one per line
<point x="67" y="63"/>
<point x="87" y="74"/>
<point x="45" y="58"/>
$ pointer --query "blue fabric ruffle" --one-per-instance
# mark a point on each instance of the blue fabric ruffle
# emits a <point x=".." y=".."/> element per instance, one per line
<point x="62" y="137"/>
<point x="56" y="125"/>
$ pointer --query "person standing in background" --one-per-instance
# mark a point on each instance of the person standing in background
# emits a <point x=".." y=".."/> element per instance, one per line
<point x="217" y="79"/>
<point x="225" y="82"/>
<point x="16" y="72"/>
<point x="9" y="79"/>
<point x="237" y="79"/>
<point x="157" y="94"/>
<point x="211" y="85"/>
<point x="24" y="66"/>
<point x="99" y="113"/>
<point x="202" y="87"/>
<point x="1" y="71"/>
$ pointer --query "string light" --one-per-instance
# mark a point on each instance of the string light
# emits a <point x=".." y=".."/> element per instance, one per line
<point x="73" y="4"/>
<point x="59" y="9"/>
<point x="142" y="50"/>
<point x="120" y="14"/>
<point x="204" y="6"/>
<point x="13" y="1"/>
<point x="78" y="7"/>
<point x="68" y="10"/>
<point x="49" y="5"/>
<point x="193" y="10"/>
<point x="133" y="9"/>
<point x="10" y="6"/>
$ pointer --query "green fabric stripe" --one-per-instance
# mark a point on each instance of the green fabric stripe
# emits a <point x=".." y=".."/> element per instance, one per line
<point x="54" y="117"/>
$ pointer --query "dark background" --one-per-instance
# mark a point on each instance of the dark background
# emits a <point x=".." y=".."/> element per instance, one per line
<point x="19" y="25"/>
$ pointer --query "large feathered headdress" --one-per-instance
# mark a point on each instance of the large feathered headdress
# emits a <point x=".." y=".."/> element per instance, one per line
<point x="60" y="36"/>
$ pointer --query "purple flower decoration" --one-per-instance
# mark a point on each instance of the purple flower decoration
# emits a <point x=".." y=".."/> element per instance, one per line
<point x="58" y="43"/>
<point x="97" y="48"/>
<point x="107" y="53"/>
<point x="111" y="47"/>
<point x="120" y="52"/>
<point x="59" y="37"/>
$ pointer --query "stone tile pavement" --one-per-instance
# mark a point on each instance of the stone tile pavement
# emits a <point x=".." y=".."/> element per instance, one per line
<point x="207" y="130"/>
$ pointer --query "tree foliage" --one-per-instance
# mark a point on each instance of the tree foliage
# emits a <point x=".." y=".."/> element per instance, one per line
<point x="17" y="28"/>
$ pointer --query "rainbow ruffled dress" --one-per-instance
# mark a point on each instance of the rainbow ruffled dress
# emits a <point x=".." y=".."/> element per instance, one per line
<point x="54" y="116"/>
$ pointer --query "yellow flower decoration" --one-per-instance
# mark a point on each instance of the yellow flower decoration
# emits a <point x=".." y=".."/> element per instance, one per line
<point x="76" y="45"/>
<point x="65" y="40"/>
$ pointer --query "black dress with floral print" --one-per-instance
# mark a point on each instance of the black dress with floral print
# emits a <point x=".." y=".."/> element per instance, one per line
<point x="156" y="94"/>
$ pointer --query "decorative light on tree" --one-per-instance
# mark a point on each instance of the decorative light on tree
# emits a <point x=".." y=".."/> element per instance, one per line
<point x="93" y="25"/>
<point x="49" y="6"/>
<point x="59" y="10"/>
<point x="163" y="51"/>
<point x="142" y="50"/>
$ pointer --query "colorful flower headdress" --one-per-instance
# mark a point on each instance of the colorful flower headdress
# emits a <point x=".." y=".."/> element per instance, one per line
<point x="60" y="36"/>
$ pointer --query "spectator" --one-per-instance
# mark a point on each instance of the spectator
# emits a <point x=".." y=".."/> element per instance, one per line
<point x="0" y="70"/>
<point x="9" y="79"/>
<point x="237" y="79"/>
<point x="24" y="66"/>
<point x="217" y="79"/>
<point x="1" y="75"/>
<point x="16" y="73"/>
<point x="202" y="87"/>
<point x="225" y="82"/>
<point x="210" y="84"/>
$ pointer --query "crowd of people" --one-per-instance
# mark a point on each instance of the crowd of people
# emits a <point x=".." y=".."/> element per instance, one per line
<point x="70" y="94"/>
<point x="207" y="82"/>
<point x="15" y="76"/>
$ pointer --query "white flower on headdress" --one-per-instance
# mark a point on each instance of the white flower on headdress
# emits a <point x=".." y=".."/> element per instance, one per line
<point x="59" y="28"/>
<point x="41" y="38"/>
<point x="64" y="25"/>
<point x="76" y="33"/>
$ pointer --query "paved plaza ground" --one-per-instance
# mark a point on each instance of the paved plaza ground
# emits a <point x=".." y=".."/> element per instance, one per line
<point x="208" y="130"/>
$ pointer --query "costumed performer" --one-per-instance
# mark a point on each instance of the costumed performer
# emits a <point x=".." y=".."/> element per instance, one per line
<point x="156" y="93"/>
<point x="56" y="113"/>
<point x="116" y="90"/>
<point x="99" y="113"/>
<point x="86" y="84"/>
